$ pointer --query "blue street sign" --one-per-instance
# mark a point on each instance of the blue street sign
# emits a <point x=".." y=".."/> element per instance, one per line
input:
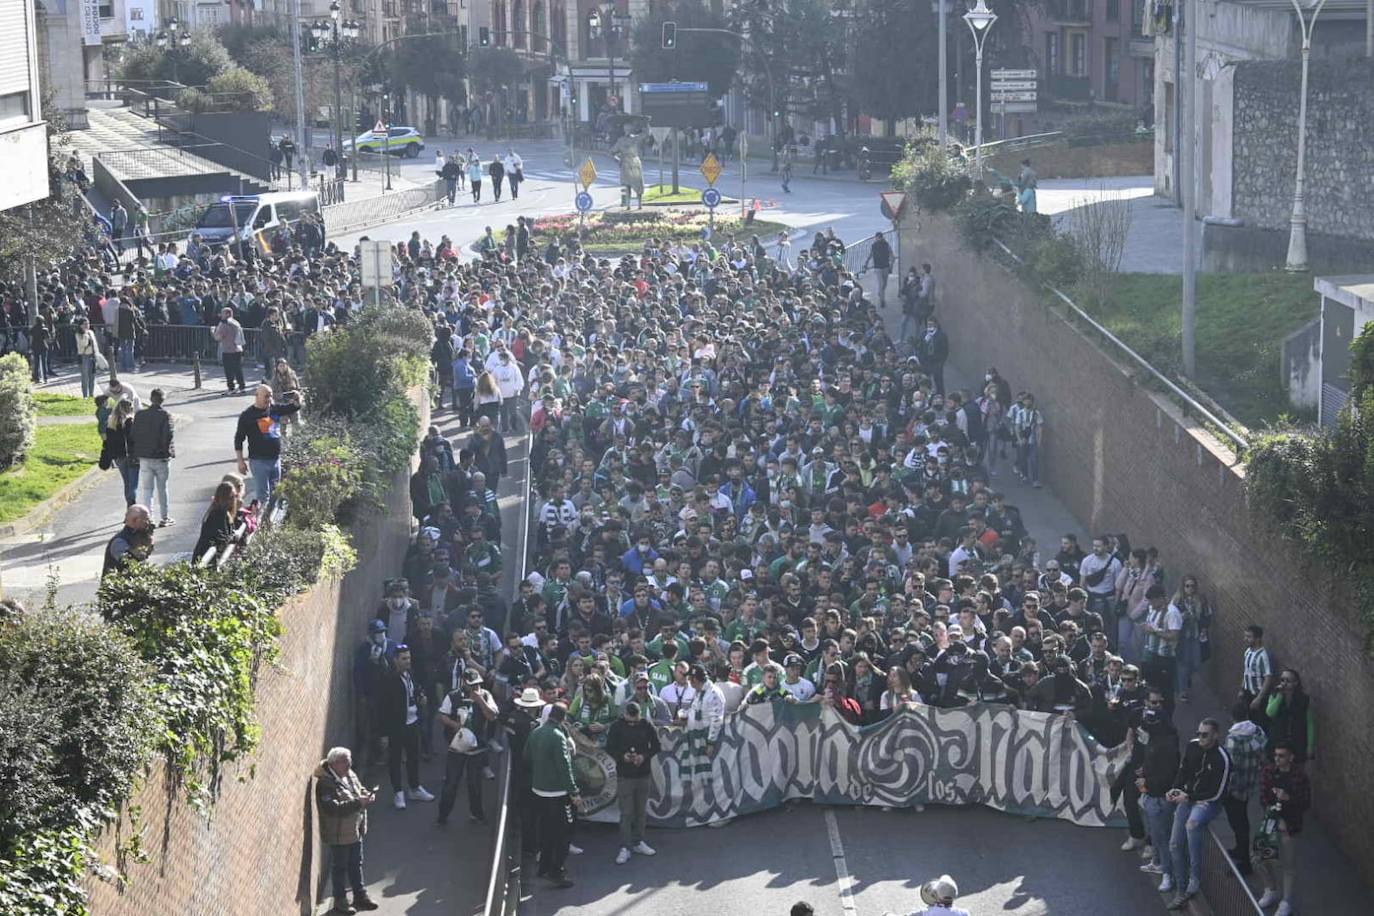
<point x="584" y="201"/>
<point x="711" y="198"/>
<point x="673" y="87"/>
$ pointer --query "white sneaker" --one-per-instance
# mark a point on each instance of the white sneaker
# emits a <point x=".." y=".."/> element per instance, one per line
<point x="623" y="856"/>
<point x="1268" y="898"/>
<point x="1285" y="909"/>
<point x="1166" y="885"/>
<point x="421" y="794"/>
<point x="399" y="801"/>
<point x="1152" y="868"/>
<point x="1131" y="843"/>
<point x="644" y="849"/>
<point x="574" y="850"/>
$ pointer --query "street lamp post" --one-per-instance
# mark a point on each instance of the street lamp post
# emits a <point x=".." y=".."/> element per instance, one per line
<point x="941" y="8"/>
<point x="980" y="20"/>
<point x="174" y="39"/>
<point x="334" y="33"/>
<point x="606" y="21"/>
<point x="1297" y="232"/>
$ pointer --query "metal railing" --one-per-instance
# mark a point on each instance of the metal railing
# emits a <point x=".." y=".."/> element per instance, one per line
<point x="1184" y="398"/>
<point x="357" y="214"/>
<point x="1223" y="885"/>
<point x="503" y="887"/>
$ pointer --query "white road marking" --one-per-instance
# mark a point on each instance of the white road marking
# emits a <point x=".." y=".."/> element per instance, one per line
<point x="842" y="878"/>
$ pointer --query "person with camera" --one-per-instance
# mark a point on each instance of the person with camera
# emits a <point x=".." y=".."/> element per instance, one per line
<point x="632" y="743"/>
<point x="467" y="715"/>
<point x="1148" y="778"/>
<point x="1199" y="788"/>
<point x="343" y="802"/>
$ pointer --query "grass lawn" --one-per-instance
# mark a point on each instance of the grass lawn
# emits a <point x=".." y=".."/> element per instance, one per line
<point x="52" y="404"/>
<point x="663" y="194"/>
<point x="60" y="455"/>
<point x="1242" y="320"/>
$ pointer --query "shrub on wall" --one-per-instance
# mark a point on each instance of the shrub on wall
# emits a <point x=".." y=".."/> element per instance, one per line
<point x="1318" y="488"/>
<point x="319" y="475"/>
<point x="934" y="179"/>
<point x="18" y="412"/>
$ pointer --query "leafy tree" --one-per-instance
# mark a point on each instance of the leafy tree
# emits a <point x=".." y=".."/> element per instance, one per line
<point x="895" y="42"/>
<point x="238" y="89"/>
<point x="193" y="65"/>
<point x="712" y="59"/>
<point x="18" y="413"/>
<point x="802" y="47"/>
<point x="496" y="69"/>
<point x="433" y="67"/>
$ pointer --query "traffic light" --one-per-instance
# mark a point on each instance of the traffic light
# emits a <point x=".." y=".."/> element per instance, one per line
<point x="484" y="37"/>
<point x="670" y="35"/>
<point x="364" y="124"/>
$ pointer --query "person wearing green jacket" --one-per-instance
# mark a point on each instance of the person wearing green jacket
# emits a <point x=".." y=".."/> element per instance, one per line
<point x="548" y="754"/>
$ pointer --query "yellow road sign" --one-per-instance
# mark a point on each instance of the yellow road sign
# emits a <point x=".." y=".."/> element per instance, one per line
<point x="710" y="168"/>
<point x="587" y="174"/>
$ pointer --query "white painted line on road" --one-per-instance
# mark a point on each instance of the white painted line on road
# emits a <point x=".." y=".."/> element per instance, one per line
<point x="842" y="878"/>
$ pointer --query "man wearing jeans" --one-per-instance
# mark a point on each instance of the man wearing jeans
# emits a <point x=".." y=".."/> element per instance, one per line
<point x="229" y="336"/>
<point x="343" y="802"/>
<point x="1198" y="793"/>
<point x="260" y="426"/>
<point x="1154" y="753"/>
<point x="632" y="742"/>
<point x="150" y="441"/>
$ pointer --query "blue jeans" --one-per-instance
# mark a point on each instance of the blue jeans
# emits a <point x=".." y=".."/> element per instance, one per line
<point x="1188" y="837"/>
<point x="266" y="473"/>
<point x="128" y="470"/>
<point x="1159" y="826"/>
<point x="153" y="473"/>
<point x="346" y="869"/>
<point x="87" y="376"/>
<point x="126" y="355"/>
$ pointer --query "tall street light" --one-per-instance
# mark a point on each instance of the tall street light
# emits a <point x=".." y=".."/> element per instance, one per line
<point x="1297" y="232"/>
<point x="604" y="20"/>
<point x="980" y="20"/>
<point x="334" y="33"/>
<point x="175" y="40"/>
<point x="941" y="10"/>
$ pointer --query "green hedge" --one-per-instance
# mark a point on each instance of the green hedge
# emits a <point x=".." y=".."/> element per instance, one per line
<point x="168" y="664"/>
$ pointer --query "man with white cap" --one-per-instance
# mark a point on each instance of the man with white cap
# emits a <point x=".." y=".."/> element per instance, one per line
<point x="938" y="895"/>
<point x="524" y="718"/>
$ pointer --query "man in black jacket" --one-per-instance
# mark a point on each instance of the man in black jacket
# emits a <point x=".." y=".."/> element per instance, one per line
<point x="1148" y="777"/>
<point x="399" y="700"/>
<point x="150" y="441"/>
<point x="632" y="743"/>
<point x="1198" y="791"/>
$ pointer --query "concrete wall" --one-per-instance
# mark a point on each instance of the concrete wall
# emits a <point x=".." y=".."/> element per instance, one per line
<point x="1340" y="145"/>
<point x="245" y="138"/>
<point x="1246" y="249"/>
<point x="260" y="854"/>
<point x="1125" y="459"/>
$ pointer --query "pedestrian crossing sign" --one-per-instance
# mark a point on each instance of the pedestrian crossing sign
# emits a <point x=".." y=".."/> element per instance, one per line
<point x="587" y="174"/>
<point x="710" y="168"/>
<point x="379" y="129"/>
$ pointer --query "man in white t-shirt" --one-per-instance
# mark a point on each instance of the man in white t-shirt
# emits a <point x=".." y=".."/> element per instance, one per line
<point x="939" y="895"/>
<point x="802" y="690"/>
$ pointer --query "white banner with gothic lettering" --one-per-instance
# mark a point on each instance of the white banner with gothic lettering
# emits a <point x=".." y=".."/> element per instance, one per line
<point x="1023" y="762"/>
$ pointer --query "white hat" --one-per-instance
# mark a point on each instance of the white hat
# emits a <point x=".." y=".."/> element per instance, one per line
<point x="942" y="888"/>
<point x="530" y="698"/>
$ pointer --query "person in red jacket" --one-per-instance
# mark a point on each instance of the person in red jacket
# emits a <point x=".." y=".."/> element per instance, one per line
<point x="835" y="696"/>
<point x="1285" y="795"/>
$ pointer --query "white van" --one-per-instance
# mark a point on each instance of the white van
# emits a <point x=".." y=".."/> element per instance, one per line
<point x="252" y="213"/>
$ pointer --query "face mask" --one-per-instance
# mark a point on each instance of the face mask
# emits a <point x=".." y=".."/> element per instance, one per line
<point x="378" y="639"/>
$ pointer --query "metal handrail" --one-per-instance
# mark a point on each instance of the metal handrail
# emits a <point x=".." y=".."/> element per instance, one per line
<point x="1029" y="140"/>
<point x="1225" y="889"/>
<point x="498" y="890"/>
<point x="1189" y="401"/>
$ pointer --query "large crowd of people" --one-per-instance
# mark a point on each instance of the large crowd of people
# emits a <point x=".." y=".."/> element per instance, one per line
<point x="746" y="490"/>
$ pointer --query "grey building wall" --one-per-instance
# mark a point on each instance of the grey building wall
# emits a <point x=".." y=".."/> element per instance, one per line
<point x="1340" y="145"/>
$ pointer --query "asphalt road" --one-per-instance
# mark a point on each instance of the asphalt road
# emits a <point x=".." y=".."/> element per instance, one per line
<point x="763" y="863"/>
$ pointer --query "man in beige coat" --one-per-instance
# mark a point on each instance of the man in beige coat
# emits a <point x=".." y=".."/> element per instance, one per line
<point x="343" y="802"/>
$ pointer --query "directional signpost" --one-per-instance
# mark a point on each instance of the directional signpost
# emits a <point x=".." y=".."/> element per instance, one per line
<point x="710" y="170"/>
<point x="586" y="174"/>
<point x="1013" y="92"/>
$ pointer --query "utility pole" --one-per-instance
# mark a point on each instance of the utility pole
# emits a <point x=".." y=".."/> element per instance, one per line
<point x="303" y="143"/>
<point x="1188" y="180"/>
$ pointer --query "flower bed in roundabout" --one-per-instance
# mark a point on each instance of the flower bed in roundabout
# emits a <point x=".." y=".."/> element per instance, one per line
<point x="616" y="231"/>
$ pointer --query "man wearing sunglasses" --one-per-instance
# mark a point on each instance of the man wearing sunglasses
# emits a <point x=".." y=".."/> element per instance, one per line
<point x="1199" y="788"/>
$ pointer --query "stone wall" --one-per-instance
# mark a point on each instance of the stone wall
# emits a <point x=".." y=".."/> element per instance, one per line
<point x="1125" y="459"/>
<point x="259" y="853"/>
<point x="1340" y="145"/>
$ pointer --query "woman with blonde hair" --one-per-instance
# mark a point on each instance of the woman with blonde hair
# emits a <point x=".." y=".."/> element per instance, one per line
<point x="286" y="388"/>
<point x="488" y="397"/>
<point x="116" y="449"/>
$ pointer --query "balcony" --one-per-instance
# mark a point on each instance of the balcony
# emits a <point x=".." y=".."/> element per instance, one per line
<point x="1070" y="12"/>
<point x="1070" y="88"/>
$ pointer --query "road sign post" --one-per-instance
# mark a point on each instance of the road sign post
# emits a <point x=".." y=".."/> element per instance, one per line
<point x="710" y="170"/>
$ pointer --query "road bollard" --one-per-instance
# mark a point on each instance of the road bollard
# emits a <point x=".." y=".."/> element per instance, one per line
<point x="195" y="370"/>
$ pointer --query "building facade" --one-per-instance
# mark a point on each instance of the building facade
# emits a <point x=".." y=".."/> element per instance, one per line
<point x="23" y="132"/>
<point x="1093" y="51"/>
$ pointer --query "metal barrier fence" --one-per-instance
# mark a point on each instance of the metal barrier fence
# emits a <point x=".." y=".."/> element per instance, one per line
<point x="357" y="214"/>
<point x="1223" y="885"/>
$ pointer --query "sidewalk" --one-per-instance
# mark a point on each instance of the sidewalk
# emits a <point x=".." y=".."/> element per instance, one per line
<point x="1326" y="878"/>
<point x="71" y="543"/>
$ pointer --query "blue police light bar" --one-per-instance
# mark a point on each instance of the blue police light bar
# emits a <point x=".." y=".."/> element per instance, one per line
<point x="673" y="87"/>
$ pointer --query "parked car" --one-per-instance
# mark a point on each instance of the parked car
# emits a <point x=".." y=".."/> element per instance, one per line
<point x="403" y="141"/>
